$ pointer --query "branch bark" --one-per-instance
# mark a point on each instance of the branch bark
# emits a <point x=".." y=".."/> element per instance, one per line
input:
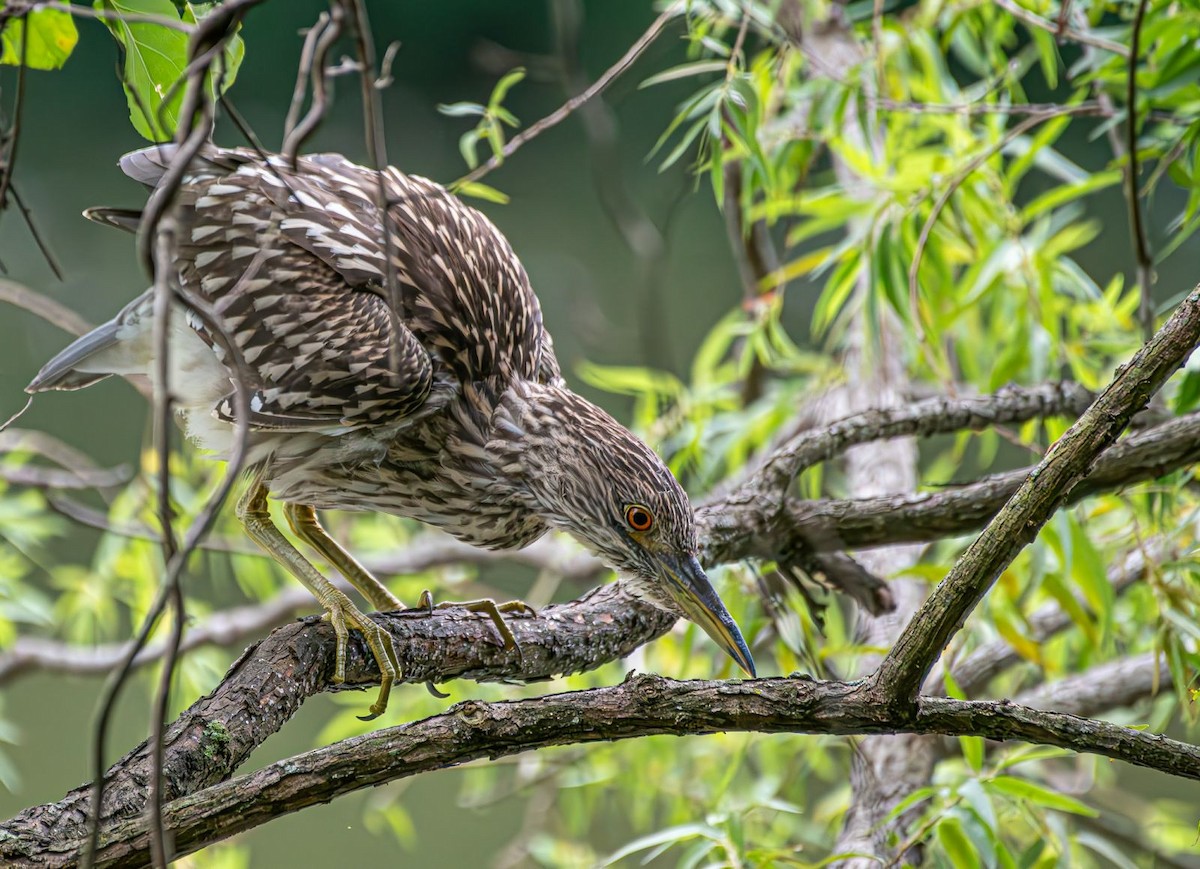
<point x="267" y="685"/>
<point x="1047" y="488"/>
<point x="751" y="522"/>
<point x="641" y="706"/>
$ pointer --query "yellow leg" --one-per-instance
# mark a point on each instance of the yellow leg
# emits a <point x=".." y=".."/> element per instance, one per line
<point x="305" y="524"/>
<point x="253" y="513"/>
<point x="485" y="605"/>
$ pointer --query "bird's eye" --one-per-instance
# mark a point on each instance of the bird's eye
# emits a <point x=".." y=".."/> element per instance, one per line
<point x="639" y="518"/>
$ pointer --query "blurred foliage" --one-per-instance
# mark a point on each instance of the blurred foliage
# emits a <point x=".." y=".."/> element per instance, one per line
<point x="43" y="39"/>
<point x="969" y="208"/>
<point x="155" y="60"/>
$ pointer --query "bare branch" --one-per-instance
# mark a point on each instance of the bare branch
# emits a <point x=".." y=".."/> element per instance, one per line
<point x="1137" y="227"/>
<point x="1111" y="685"/>
<point x="755" y="523"/>
<point x="564" y="111"/>
<point x="641" y="706"/>
<point x="54" y="313"/>
<point x="900" y="676"/>
<point x="1013" y="404"/>
<point x="1060" y="29"/>
<point x="327" y="29"/>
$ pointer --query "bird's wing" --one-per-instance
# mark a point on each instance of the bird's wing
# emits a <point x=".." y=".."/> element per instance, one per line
<point x="317" y="348"/>
<point x="457" y="283"/>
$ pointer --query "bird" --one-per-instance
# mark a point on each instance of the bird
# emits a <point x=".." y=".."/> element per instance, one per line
<point x="399" y="366"/>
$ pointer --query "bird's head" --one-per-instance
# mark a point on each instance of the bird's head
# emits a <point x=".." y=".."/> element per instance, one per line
<point x="586" y="474"/>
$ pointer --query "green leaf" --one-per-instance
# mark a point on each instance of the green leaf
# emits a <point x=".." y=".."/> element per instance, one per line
<point x="482" y="191"/>
<point x="684" y="70"/>
<point x="1089" y="573"/>
<point x="1022" y="789"/>
<point x="154" y="59"/>
<point x="972" y="749"/>
<point x="231" y="58"/>
<point x="1188" y="394"/>
<point x="500" y="91"/>
<point x="669" y="836"/>
<point x="461" y="110"/>
<point x="955" y="843"/>
<point x="48" y="36"/>
<point x="155" y="56"/>
<point x="1061" y="195"/>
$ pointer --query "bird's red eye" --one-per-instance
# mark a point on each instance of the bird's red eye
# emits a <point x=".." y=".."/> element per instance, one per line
<point x="638" y="517"/>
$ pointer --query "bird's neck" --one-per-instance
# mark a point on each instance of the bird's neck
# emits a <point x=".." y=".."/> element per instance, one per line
<point x="534" y="442"/>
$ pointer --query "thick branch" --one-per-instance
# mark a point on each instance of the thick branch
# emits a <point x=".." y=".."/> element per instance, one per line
<point x="267" y="685"/>
<point x="903" y="671"/>
<point x="642" y="706"/>
<point x="755" y="523"/>
<point x="1013" y="404"/>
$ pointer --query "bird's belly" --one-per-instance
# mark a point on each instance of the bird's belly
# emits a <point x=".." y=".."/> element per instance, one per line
<point x="468" y="514"/>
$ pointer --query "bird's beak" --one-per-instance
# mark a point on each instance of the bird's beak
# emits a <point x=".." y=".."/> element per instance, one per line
<point x="694" y="595"/>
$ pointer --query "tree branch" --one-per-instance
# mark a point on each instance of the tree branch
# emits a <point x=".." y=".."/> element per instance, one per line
<point x="1012" y="404"/>
<point x="903" y="671"/>
<point x="264" y="688"/>
<point x="1111" y="685"/>
<point x="756" y="523"/>
<point x="641" y="706"/>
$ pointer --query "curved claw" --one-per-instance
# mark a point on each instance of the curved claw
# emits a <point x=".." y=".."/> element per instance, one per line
<point x="382" y="648"/>
<point x="484" y="605"/>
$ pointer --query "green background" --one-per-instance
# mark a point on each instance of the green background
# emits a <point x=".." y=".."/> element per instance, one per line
<point x="596" y="301"/>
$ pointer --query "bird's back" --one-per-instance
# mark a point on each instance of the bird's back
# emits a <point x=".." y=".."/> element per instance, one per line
<point x="295" y="260"/>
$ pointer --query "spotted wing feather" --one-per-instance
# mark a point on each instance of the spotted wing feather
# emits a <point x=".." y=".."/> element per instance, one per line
<point x="315" y="348"/>
<point x="458" y="284"/>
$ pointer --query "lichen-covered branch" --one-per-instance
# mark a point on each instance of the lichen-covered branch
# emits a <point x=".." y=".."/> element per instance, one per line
<point x="267" y="685"/>
<point x="1047" y="488"/>
<point x="755" y="523"/>
<point x="641" y="706"/>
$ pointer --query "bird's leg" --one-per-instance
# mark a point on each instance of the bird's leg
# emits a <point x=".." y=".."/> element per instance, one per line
<point x="484" y="605"/>
<point x="305" y="524"/>
<point x="256" y="519"/>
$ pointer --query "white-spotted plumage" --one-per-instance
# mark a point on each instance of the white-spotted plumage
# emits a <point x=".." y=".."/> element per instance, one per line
<point x="424" y="385"/>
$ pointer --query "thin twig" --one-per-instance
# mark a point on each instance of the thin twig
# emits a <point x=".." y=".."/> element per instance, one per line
<point x="116" y="16"/>
<point x="330" y="27"/>
<point x="566" y="109"/>
<point x="373" y="132"/>
<point x="1060" y="31"/>
<point x="644" y="238"/>
<point x="1141" y="245"/>
<point x="53" y="312"/>
<point x="43" y="245"/>
<point x="165" y="237"/>
<point x="156" y="246"/>
<point x="14" y="131"/>
<point x="53" y="478"/>
<point x="303" y="71"/>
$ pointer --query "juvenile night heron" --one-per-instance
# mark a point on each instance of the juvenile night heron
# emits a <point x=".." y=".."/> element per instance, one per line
<point x="440" y="401"/>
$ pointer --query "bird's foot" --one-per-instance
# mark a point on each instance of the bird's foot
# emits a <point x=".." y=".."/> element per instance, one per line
<point x="342" y="614"/>
<point x="485" y="605"/>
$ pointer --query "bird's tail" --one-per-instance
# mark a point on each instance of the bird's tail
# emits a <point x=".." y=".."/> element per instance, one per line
<point x="128" y="219"/>
<point x="75" y="367"/>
